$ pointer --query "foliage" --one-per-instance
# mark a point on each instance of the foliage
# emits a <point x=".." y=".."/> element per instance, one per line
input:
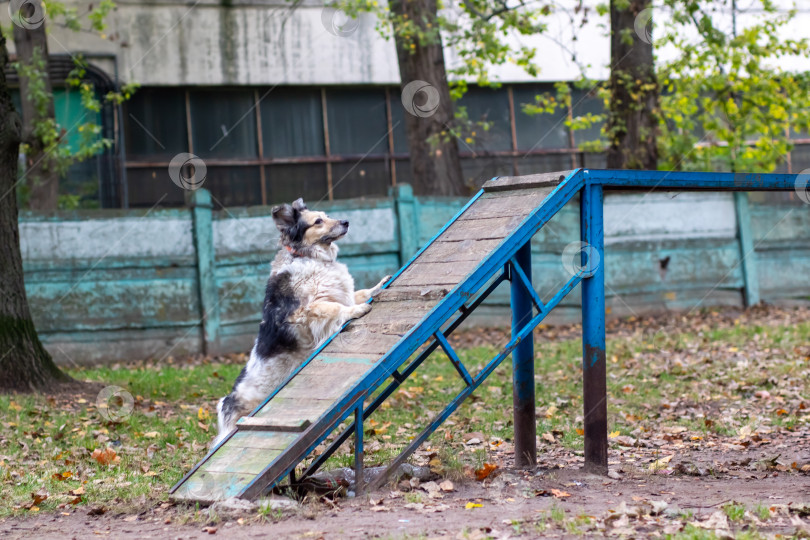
<point x="726" y="104"/>
<point x="46" y="130"/>
<point x="478" y="32"/>
<point x="560" y="100"/>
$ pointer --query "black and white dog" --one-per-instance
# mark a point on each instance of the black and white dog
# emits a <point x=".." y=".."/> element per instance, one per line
<point x="309" y="296"/>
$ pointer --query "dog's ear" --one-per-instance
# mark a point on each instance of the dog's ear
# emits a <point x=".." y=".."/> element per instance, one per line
<point x="285" y="216"/>
<point x="299" y="205"/>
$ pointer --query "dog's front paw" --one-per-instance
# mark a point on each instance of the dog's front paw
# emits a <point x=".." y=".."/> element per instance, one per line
<point x="359" y="310"/>
<point x="376" y="290"/>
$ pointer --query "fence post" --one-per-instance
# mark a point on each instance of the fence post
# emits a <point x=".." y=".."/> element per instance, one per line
<point x="523" y="401"/>
<point x="407" y="213"/>
<point x="594" y="373"/>
<point x="748" y="255"/>
<point x="202" y="218"/>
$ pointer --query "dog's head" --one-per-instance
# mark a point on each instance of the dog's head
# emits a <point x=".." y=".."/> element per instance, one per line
<point x="303" y="229"/>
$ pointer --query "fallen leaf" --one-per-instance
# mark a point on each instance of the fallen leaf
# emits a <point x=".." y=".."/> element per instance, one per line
<point x="62" y="476"/>
<point x="39" y="497"/>
<point x="614" y="434"/>
<point x="660" y="463"/>
<point x="77" y="491"/>
<point x="485" y="471"/>
<point x="106" y="456"/>
<point x="446" y="485"/>
<point x="560" y="494"/>
<point x="151" y="434"/>
<point x="471" y="505"/>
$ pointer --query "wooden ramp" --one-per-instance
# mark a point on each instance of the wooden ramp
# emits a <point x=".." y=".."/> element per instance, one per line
<point x="484" y="245"/>
<point x="437" y="285"/>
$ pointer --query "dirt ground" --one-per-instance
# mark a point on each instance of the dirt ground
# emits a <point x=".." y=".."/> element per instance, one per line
<point x="666" y="482"/>
<point x="512" y="503"/>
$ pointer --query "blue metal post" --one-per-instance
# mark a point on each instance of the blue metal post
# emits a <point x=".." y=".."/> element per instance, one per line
<point x="593" y="329"/>
<point x="359" y="481"/>
<point x="523" y="366"/>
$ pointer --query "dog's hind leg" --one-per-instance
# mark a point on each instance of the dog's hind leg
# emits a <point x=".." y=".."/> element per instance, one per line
<point x="363" y="295"/>
<point x="227" y="415"/>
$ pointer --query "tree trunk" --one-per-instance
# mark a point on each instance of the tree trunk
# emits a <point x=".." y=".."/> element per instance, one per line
<point x="24" y="364"/>
<point x="435" y="165"/>
<point x="41" y="175"/>
<point x="633" y="112"/>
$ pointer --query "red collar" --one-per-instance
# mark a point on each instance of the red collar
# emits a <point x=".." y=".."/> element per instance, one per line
<point x="293" y="252"/>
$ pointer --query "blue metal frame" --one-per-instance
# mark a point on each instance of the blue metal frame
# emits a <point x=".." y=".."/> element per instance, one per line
<point x="511" y="259"/>
<point x="592" y="232"/>
<point x="523" y="358"/>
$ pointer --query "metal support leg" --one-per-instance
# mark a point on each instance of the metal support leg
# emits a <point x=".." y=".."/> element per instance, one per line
<point x="593" y="329"/>
<point x="359" y="481"/>
<point x="523" y="367"/>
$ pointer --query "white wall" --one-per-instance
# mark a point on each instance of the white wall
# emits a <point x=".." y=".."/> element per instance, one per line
<point x="265" y="42"/>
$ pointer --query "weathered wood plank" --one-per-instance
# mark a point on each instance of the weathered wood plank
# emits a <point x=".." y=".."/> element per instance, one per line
<point x="481" y="228"/>
<point x="305" y="409"/>
<point x="208" y="486"/>
<point x="412" y="310"/>
<point x="436" y="273"/>
<point x="273" y="423"/>
<point x="472" y="249"/>
<point x="400" y="292"/>
<point x="370" y="341"/>
<point x="347" y="361"/>
<point x="235" y="460"/>
<point x="508" y="203"/>
<point x="504" y="183"/>
<point x="262" y="439"/>
<point x="319" y="385"/>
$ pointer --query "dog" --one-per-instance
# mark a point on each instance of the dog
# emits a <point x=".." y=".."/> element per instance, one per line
<point x="309" y="296"/>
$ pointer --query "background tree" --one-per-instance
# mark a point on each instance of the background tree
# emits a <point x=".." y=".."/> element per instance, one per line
<point x="47" y="156"/>
<point x="434" y="160"/>
<point x="25" y="365"/>
<point x="632" y="120"/>
<point x="36" y="97"/>
<point x="726" y="103"/>
<point x="479" y="32"/>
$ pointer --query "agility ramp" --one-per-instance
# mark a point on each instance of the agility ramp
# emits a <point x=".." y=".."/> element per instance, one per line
<point x="486" y="243"/>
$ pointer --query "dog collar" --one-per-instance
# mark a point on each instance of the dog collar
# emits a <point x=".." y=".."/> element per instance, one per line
<point x="292" y="251"/>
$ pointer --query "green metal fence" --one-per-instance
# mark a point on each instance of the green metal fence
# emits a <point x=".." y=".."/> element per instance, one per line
<point x="107" y="285"/>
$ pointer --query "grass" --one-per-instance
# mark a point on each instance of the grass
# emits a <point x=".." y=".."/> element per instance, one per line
<point x="735" y="512"/>
<point x="47" y="444"/>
